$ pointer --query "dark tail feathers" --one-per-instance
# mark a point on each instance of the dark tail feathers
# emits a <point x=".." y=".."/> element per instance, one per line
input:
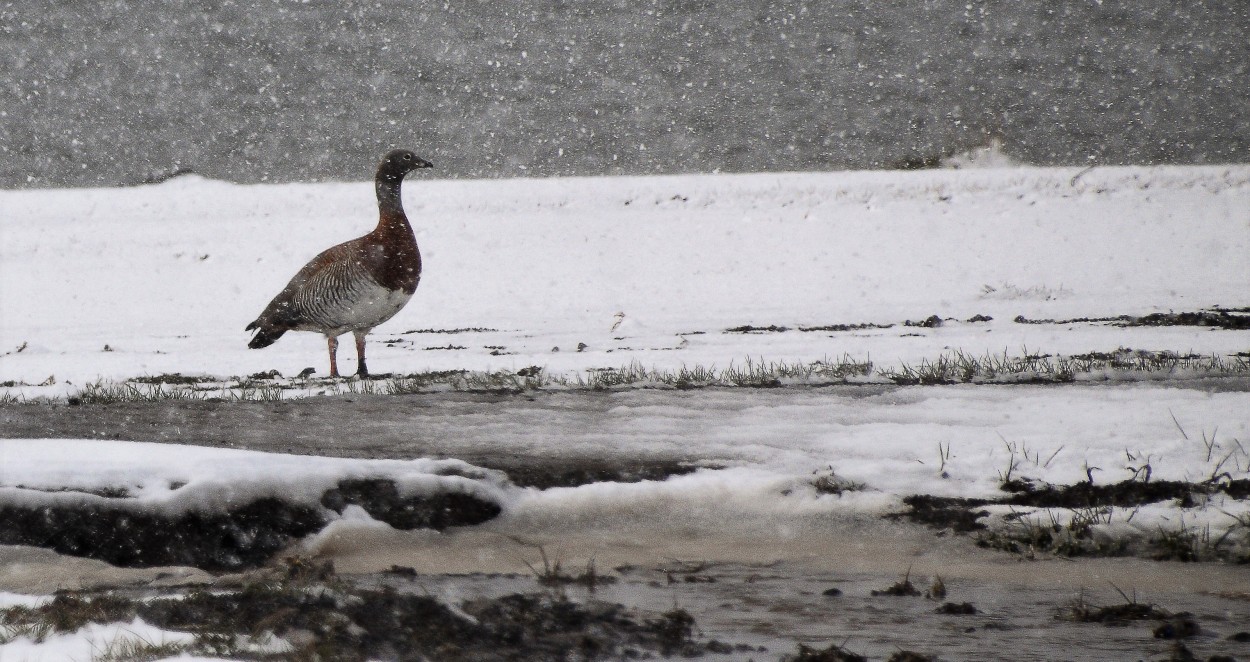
<point x="265" y="336"/>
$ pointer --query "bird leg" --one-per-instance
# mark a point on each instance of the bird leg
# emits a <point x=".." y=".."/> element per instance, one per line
<point x="333" y="344"/>
<point x="361" y="369"/>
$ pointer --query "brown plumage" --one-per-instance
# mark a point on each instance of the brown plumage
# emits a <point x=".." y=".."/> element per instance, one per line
<point x="358" y="284"/>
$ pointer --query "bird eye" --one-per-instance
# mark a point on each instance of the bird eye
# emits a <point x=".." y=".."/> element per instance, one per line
<point x="407" y="157"/>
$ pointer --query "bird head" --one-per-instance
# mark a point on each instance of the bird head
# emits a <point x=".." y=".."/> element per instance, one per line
<point x="400" y="162"/>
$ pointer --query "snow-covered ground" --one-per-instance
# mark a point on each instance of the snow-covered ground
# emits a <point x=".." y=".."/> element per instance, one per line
<point x="112" y="284"/>
<point x="117" y="283"/>
<point x="120" y="283"/>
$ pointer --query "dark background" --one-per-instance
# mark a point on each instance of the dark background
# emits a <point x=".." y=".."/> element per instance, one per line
<point x="129" y="91"/>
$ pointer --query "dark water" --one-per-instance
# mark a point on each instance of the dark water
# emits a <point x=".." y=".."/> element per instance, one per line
<point x="124" y="91"/>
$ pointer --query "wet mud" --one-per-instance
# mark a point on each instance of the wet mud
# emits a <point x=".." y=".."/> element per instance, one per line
<point x="249" y="535"/>
<point x="1086" y="501"/>
<point x="962" y="515"/>
<point x="245" y="537"/>
<point x="1219" y="318"/>
<point x="320" y="616"/>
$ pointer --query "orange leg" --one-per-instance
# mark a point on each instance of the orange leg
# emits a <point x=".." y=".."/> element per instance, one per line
<point x="361" y="369"/>
<point x="333" y="344"/>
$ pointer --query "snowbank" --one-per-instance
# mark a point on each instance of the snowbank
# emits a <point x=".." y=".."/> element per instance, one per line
<point x="167" y="478"/>
<point x="141" y="505"/>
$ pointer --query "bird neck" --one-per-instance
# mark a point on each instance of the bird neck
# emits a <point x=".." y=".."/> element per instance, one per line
<point x="391" y="216"/>
<point x="388" y="194"/>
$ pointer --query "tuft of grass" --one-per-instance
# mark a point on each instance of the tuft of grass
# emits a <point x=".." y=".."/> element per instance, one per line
<point x="35" y="631"/>
<point x="674" y="631"/>
<point x="815" y="373"/>
<point x="954" y="367"/>
<point x="752" y="373"/>
<point x="1069" y="532"/>
<point x="828" y="482"/>
<point x="421" y="382"/>
<point x="67" y="612"/>
<point x="133" y="648"/>
<point x="503" y="380"/>
<point x="251" y="391"/>
<point x="1239" y="530"/>
<point x="602" y="379"/>
<point x="1024" y="537"/>
<point x="100" y="393"/>
<point x="1017" y="455"/>
<point x="695" y="377"/>
<point x="1130" y="610"/>
<point x="901" y="588"/>
<point x="172" y="378"/>
<point x="525" y="379"/>
<point x="834" y="653"/>
<point x="551" y="575"/>
<point x="959" y="367"/>
<point x="1184" y="543"/>
<point x="761" y="374"/>
<point x="1065" y="532"/>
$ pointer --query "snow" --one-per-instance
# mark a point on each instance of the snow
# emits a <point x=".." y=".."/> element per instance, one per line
<point x="117" y="283"/>
<point x="770" y="446"/>
<point x="775" y="444"/>
<point x="110" y="284"/>
<point x="775" y="436"/>
<point x="8" y="600"/>
<point x="171" y="478"/>
<point x="91" y="641"/>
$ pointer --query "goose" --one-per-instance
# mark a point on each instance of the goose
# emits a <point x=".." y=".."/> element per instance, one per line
<point x="358" y="284"/>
